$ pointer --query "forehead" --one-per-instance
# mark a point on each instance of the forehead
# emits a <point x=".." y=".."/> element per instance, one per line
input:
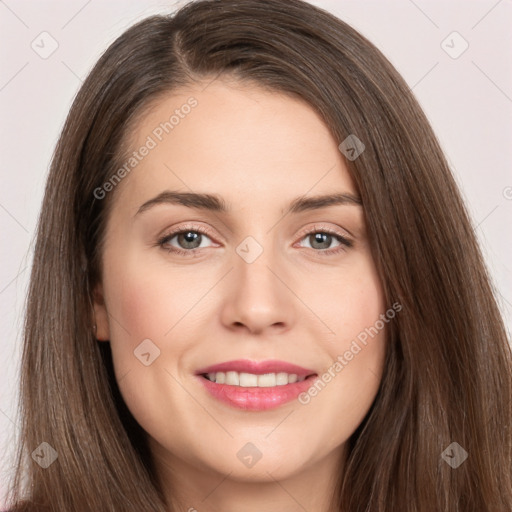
<point x="248" y="144"/>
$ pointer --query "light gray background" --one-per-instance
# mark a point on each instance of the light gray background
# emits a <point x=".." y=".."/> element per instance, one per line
<point x="467" y="99"/>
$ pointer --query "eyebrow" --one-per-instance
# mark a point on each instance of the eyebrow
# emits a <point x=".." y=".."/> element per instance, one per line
<point x="216" y="203"/>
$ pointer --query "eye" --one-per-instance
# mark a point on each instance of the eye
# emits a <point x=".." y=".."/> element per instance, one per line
<point x="322" y="239"/>
<point x="185" y="240"/>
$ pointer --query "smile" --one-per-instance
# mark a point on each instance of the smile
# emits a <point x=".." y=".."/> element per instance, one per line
<point x="263" y="386"/>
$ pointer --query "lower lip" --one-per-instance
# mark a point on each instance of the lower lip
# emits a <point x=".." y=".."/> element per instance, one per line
<point x="254" y="398"/>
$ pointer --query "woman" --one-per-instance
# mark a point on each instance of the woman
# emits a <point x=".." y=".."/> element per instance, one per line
<point x="256" y="287"/>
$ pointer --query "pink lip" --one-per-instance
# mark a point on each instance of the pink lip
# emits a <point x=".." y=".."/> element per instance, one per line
<point x="253" y="398"/>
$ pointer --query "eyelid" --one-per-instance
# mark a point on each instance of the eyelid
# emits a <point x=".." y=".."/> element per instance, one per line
<point x="187" y="227"/>
<point x="325" y="229"/>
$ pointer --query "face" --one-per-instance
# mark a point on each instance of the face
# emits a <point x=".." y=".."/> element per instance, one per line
<point x="258" y="277"/>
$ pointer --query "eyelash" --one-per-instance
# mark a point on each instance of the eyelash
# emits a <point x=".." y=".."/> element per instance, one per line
<point x="345" y="243"/>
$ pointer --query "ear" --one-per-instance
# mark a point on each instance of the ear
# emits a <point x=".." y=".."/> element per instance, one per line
<point x="100" y="314"/>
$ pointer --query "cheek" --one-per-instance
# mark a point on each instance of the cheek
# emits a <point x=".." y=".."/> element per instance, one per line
<point x="140" y="313"/>
<point x="362" y="304"/>
<point x="354" y="309"/>
<point x="136" y="308"/>
<point x="144" y="305"/>
<point x="362" y="345"/>
<point x="146" y="300"/>
<point x="151" y="308"/>
<point x="351" y="301"/>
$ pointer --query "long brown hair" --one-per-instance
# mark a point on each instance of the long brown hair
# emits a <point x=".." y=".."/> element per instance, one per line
<point x="448" y="369"/>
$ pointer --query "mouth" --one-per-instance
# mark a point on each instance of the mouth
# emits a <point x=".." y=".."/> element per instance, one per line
<point x="256" y="386"/>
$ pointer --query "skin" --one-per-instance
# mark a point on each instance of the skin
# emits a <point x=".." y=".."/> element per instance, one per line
<point x="259" y="150"/>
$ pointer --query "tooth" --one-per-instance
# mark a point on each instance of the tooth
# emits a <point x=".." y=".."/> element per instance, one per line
<point x="232" y="378"/>
<point x="267" y="380"/>
<point x="248" y="380"/>
<point x="281" y="379"/>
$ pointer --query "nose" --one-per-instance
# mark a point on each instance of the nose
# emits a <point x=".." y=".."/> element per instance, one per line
<point x="257" y="298"/>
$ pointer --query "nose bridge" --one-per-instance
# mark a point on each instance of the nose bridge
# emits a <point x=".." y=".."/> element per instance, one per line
<point x="259" y="299"/>
<point x="254" y="263"/>
<point x="254" y="260"/>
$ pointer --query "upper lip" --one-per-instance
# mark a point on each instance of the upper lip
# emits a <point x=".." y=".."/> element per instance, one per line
<point x="257" y="367"/>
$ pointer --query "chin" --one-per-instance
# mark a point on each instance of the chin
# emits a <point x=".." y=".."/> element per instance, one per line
<point x="251" y="462"/>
